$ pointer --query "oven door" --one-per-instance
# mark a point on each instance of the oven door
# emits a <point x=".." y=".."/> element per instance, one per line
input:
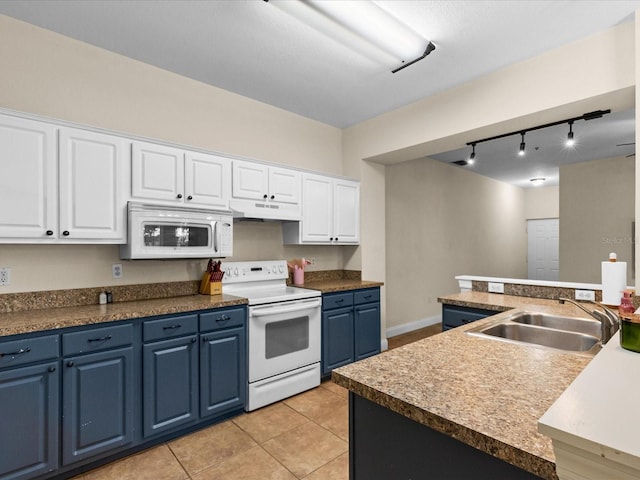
<point x="283" y="336"/>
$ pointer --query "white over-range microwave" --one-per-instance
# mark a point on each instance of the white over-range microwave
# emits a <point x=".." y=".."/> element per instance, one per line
<point x="156" y="231"/>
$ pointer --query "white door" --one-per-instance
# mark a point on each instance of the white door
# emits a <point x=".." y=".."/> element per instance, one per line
<point x="284" y="185"/>
<point x="207" y="180"/>
<point x="93" y="175"/>
<point x="317" y="208"/>
<point x="157" y="172"/>
<point x="28" y="179"/>
<point x="346" y="208"/>
<point x="250" y="180"/>
<point x="543" y="259"/>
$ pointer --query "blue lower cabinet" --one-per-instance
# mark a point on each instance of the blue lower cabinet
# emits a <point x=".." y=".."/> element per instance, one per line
<point x="367" y="330"/>
<point x="170" y="384"/>
<point x="81" y="396"/>
<point x="223" y="380"/>
<point x="29" y="420"/>
<point x="98" y="397"/>
<point x="350" y="327"/>
<point x="454" y="316"/>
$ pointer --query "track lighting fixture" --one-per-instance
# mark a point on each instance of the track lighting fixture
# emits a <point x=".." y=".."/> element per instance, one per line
<point x="472" y="157"/>
<point x="570" y="141"/>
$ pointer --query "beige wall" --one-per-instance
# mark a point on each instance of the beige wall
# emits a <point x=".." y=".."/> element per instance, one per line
<point x="55" y="76"/>
<point x="444" y="221"/>
<point x="51" y="75"/>
<point x="597" y="72"/>
<point x="597" y="208"/>
<point x="541" y="202"/>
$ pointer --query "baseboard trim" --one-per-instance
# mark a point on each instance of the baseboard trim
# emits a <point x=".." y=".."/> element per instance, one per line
<point x="410" y="327"/>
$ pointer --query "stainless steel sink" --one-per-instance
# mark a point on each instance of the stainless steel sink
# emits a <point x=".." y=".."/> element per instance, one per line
<point x="587" y="326"/>
<point x="578" y="335"/>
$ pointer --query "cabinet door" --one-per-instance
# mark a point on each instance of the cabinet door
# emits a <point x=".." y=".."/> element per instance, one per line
<point x="223" y="381"/>
<point x="317" y="208"/>
<point x="250" y="180"/>
<point x="346" y="208"/>
<point x="29" y="421"/>
<point x="284" y="185"/>
<point x="207" y="180"/>
<point x="94" y="173"/>
<point x="337" y="339"/>
<point x="170" y="384"/>
<point x="28" y="179"/>
<point x="157" y="172"/>
<point x="97" y="408"/>
<point x="367" y="330"/>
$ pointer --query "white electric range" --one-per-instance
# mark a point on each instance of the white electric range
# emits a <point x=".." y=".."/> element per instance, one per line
<point x="284" y="330"/>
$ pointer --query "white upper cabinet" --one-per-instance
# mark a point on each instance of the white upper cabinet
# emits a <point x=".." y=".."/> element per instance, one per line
<point x="28" y="179"/>
<point x="93" y="176"/>
<point x="207" y="180"/>
<point x="330" y="213"/>
<point x="264" y="191"/>
<point x="182" y="177"/>
<point x="157" y="172"/>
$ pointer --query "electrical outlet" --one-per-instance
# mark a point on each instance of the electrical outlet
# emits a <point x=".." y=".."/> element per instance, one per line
<point x="116" y="269"/>
<point x="5" y="276"/>
<point x="586" y="295"/>
<point x="496" y="287"/>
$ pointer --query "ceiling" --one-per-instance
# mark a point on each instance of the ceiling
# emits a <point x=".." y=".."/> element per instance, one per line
<point x="256" y="49"/>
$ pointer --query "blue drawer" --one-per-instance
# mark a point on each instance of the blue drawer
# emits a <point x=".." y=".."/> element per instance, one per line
<point x="169" y="327"/>
<point x="29" y="350"/>
<point x="96" y="339"/>
<point x="337" y="300"/>
<point x="224" y="318"/>
<point x="368" y="295"/>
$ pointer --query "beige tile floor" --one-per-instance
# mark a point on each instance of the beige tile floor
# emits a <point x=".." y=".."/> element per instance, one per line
<point x="302" y="437"/>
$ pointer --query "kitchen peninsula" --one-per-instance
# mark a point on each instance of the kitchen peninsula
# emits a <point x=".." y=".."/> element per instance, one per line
<point x="458" y="406"/>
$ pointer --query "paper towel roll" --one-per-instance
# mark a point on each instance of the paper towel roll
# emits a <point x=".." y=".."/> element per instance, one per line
<point x="614" y="281"/>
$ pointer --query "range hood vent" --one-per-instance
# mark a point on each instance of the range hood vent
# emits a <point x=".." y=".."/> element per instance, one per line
<point x="258" y="210"/>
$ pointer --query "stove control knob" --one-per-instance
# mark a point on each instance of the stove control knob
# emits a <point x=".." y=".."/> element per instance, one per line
<point x="281" y="268"/>
<point x="236" y="272"/>
<point x="275" y="269"/>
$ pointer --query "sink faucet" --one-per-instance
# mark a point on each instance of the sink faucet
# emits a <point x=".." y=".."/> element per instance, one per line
<point x="609" y="321"/>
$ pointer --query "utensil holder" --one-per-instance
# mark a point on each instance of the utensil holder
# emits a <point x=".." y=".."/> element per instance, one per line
<point x="298" y="277"/>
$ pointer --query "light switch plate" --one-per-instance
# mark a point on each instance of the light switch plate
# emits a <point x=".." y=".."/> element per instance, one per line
<point x="496" y="287"/>
<point x="586" y="295"/>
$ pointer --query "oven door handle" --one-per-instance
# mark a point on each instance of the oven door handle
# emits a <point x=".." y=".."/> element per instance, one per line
<point x="295" y="308"/>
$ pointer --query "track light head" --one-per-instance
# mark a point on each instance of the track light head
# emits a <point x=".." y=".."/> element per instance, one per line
<point x="570" y="141"/>
<point x="472" y="157"/>
<point x="522" y="146"/>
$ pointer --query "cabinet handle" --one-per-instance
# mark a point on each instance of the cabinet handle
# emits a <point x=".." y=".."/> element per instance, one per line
<point x="205" y="339"/>
<point x="69" y="363"/>
<point x="49" y="232"/>
<point x="340" y="300"/>
<point x="65" y="233"/>
<point x="179" y="195"/>
<point x="194" y="340"/>
<point x="331" y="239"/>
<point x="336" y="239"/>
<point x="13" y="354"/>
<point x="51" y="369"/>
<point x="272" y="197"/>
<point x="172" y="327"/>
<point x="367" y="296"/>
<point x="189" y="197"/>
<point x="100" y="339"/>
<point x="223" y="318"/>
<point x="265" y="196"/>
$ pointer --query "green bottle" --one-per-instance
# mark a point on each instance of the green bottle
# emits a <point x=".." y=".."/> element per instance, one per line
<point x="629" y="324"/>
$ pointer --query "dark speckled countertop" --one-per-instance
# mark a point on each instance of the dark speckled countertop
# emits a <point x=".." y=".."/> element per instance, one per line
<point x="61" y="317"/>
<point x="486" y="393"/>
<point x="340" y="285"/>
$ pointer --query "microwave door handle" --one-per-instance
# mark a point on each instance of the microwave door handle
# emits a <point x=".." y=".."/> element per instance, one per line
<point x="216" y="234"/>
<point x="277" y="311"/>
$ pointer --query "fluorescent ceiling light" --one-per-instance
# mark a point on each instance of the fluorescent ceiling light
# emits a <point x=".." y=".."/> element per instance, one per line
<point x="362" y="26"/>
